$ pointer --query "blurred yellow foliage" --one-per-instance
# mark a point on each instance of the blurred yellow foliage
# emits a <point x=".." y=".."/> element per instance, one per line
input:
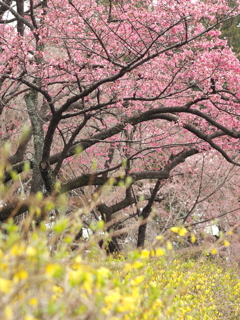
<point x="149" y="284"/>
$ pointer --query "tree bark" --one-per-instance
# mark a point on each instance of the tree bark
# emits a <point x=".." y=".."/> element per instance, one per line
<point x="47" y="175"/>
<point x="31" y="99"/>
<point x="112" y="245"/>
<point x="4" y="8"/>
<point x="145" y="215"/>
<point x="20" y="11"/>
<point x="143" y="226"/>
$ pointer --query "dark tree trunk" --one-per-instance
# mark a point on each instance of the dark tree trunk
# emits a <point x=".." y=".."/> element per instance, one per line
<point x="145" y="215"/>
<point x="47" y="175"/>
<point x="20" y="11"/>
<point x="31" y="99"/>
<point x="112" y="245"/>
<point x="143" y="226"/>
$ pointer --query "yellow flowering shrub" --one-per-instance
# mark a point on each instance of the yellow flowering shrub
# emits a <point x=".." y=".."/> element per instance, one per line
<point x="151" y="284"/>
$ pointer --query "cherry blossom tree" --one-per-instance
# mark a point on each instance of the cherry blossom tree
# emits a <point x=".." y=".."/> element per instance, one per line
<point x="116" y="93"/>
<point x="206" y="195"/>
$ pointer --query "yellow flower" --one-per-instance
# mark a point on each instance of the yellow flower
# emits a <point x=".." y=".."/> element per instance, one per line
<point x="30" y="251"/>
<point x="226" y="243"/>
<point x="175" y="229"/>
<point x="145" y="254"/>
<point x="169" y="245"/>
<point x="193" y="238"/>
<point x="54" y="269"/>
<point x="157" y="303"/>
<point x="104" y="272"/>
<point x="88" y="283"/>
<point x="160" y="252"/>
<point x="127" y="303"/>
<point x="181" y="231"/>
<point x="137" y="265"/>
<point x="153" y="284"/>
<point x="113" y="297"/>
<point x="8" y="312"/>
<point x="20" y="275"/>
<point x="77" y="263"/>
<point x="78" y="259"/>
<point x="214" y="251"/>
<point x="75" y="276"/>
<point x="33" y="301"/>
<point x="137" y="280"/>
<point x="18" y="249"/>
<point x="30" y="317"/>
<point x="5" y="285"/>
<point x="57" y="289"/>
